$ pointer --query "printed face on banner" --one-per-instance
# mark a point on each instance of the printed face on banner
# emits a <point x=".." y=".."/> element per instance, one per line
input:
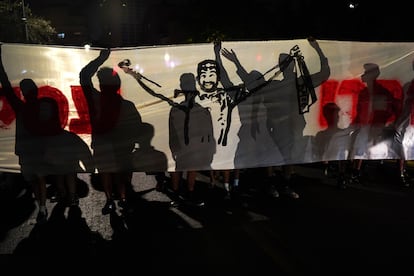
<point x="208" y="76"/>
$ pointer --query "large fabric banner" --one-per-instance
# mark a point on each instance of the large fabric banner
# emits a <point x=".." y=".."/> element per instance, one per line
<point x="204" y="106"/>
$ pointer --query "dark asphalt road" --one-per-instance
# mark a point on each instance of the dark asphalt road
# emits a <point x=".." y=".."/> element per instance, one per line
<point x="362" y="229"/>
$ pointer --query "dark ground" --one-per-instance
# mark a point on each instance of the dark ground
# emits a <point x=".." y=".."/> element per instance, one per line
<point x="363" y="229"/>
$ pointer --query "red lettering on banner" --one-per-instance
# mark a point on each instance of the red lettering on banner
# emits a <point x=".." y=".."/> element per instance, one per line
<point x="7" y="115"/>
<point x="351" y="89"/>
<point x="81" y="125"/>
<point x="330" y="91"/>
<point x="335" y="91"/>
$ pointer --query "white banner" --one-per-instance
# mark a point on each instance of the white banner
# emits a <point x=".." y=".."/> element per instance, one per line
<point x="168" y="115"/>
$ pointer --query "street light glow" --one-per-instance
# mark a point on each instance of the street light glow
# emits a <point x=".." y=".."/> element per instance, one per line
<point x="353" y="5"/>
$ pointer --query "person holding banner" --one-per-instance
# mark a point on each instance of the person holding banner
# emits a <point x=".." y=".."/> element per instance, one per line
<point x="332" y="144"/>
<point x="375" y="108"/>
<point x="28" y="145"/>
<point x="115" y="124"/>
<point x="284" y="120"/>
<point x="401" y="124"/>
<point x="191" y="136"/>
<point x="65" y="152"/>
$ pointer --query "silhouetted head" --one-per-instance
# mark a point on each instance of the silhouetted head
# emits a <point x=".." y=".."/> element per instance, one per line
<point x="255" y="79"/>
<point x="188" y="85"/>
<point x="109" y="80"/>
<point x="49" y="116"/>
<point x="331" y="113"/>
<point x="188" y="82"/>
<point x="146" y="134"/>
<point x="371" y="72"/>
<point x="29" y="89"/>
<point x="208" y="75"/>
<point x="48" y="109"/>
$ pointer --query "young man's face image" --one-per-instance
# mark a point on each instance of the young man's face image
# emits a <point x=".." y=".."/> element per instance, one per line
<point x="208" y="78"/>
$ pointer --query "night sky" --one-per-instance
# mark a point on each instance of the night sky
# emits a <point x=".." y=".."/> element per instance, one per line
<point x="256" y="20"/>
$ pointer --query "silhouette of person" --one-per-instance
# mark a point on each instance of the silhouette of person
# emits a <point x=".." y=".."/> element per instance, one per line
<point x="196" y="122"/>
<point x="29" y="146"/>
<point x="376" y="106"/>
<point x="191" y="136"/>
<point x="332" y="144"/>
<point x="191" y="131"/>
<point x="115" y="124"/>
<point x="400" y="130"/>
<point x="189" y="124"/>
<point x="285" y="121"/>
<point x="66" y="153"/>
